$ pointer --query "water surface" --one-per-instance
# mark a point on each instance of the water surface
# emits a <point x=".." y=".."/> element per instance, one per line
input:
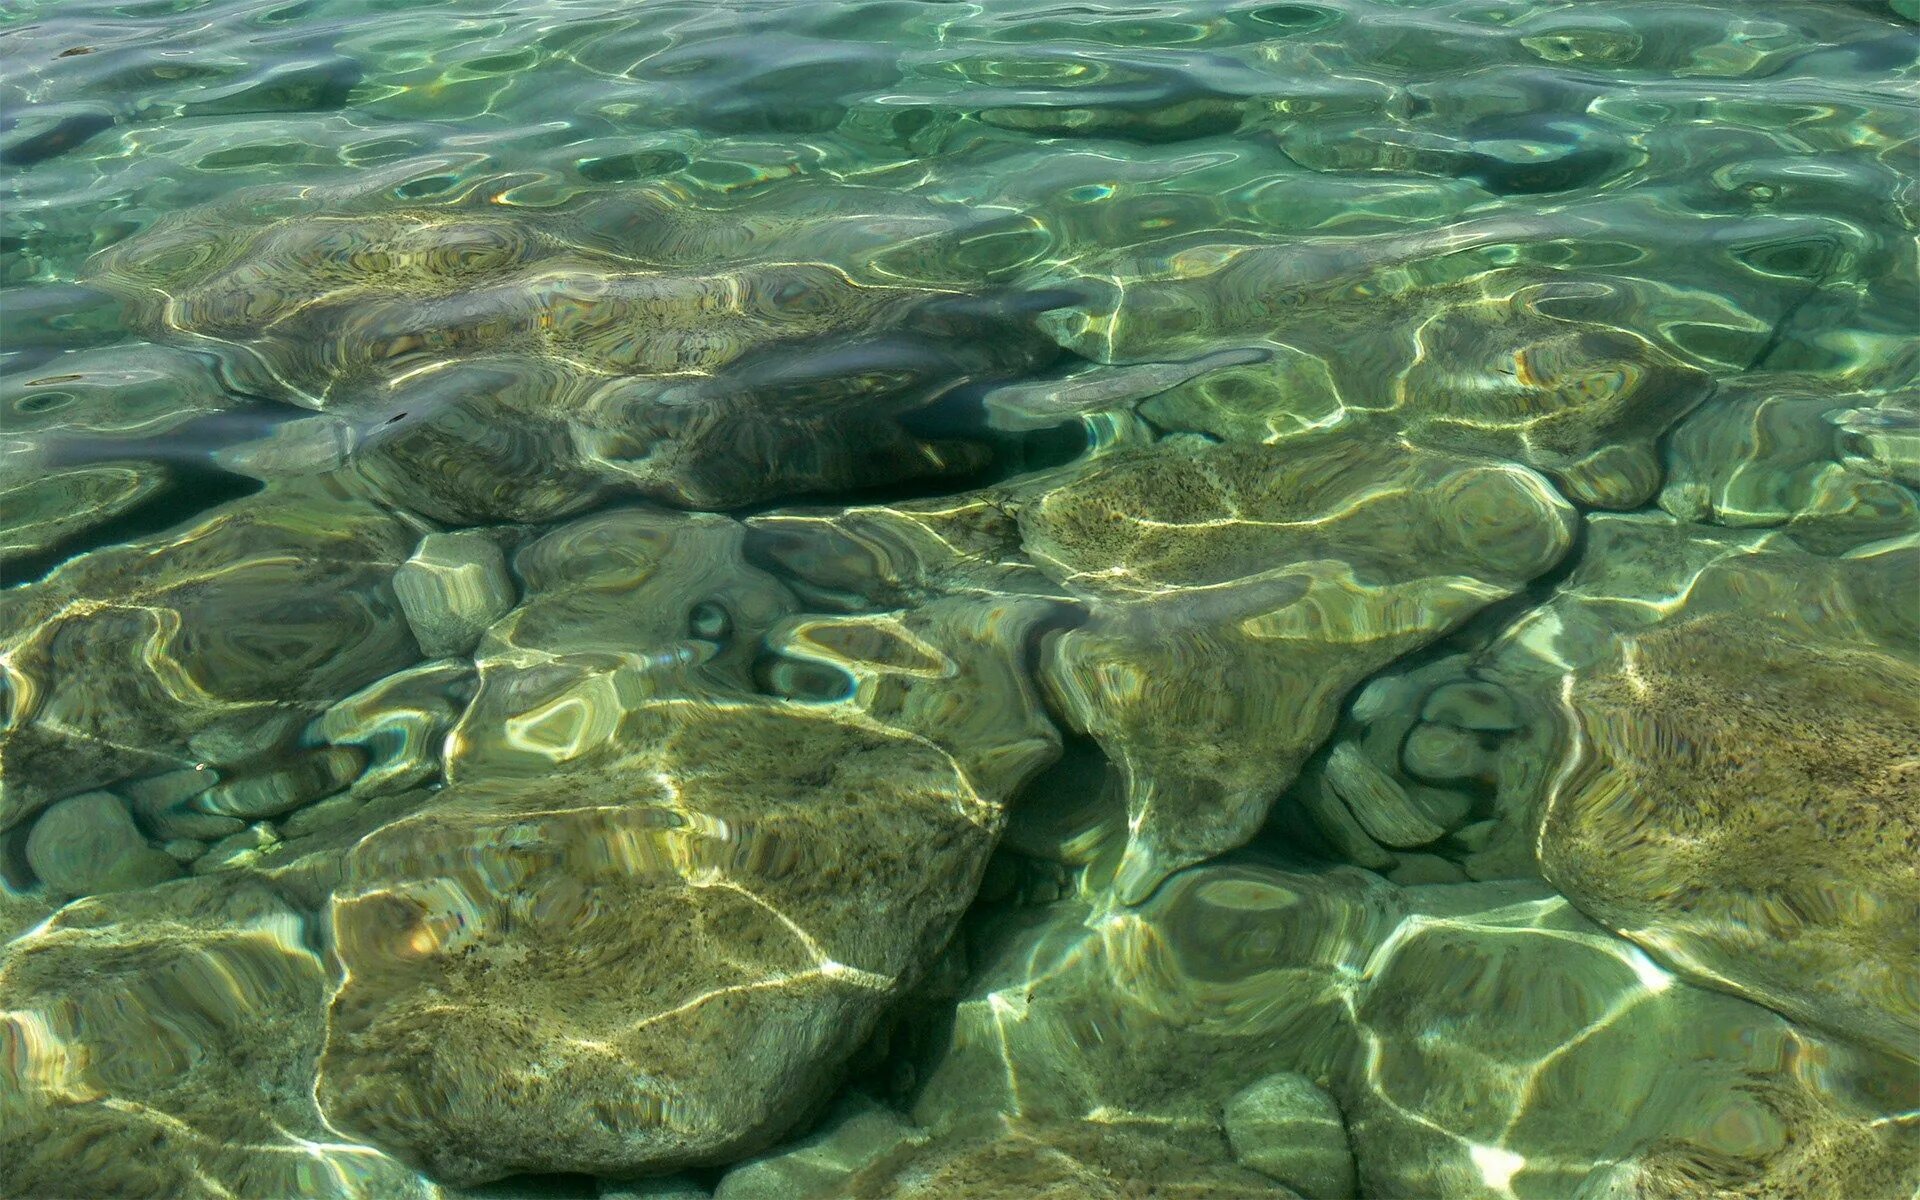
<point x="821" y="600"/>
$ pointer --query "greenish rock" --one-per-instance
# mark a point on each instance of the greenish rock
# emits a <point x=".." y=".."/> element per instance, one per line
<point x="1025" y="406"/>
<point x="1378" y="802"/>
<point x="452" y="588"/>
<point x="1445" y="754"/>
<point x="88" y="844"/>
<point x="238" y="849"/>
<point x="1472" y="704"/>
<point x="291" y="783"/>
<point x="1415" y="870"/>
<point x="1288" y="1127"/>
<point x="1235" y="593"/>
<point x="1744" y="803"/>
<point x="302" y="446"/>
<point x="401" y="722"/>
<point x="1542" y="1108"/>
<point x="246" y="737"/>
<point x="1401" y="1000"/>
<point x="868" y="1154"/>
<point x="1713" y="764"/>
<point x="184" y="850"/>
<point x="119" y="1087"/>
<point x="619" y="785"/>
<point x="1770" y="453"/>
<point x="857" y="1133"/>
<point x="224" y="635"/>
<point x="41" y="508"/>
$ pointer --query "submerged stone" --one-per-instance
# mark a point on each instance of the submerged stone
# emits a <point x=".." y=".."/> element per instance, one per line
<point x="1289" y="1128"/>
<point x="1745" y="804"/>
<point x="1237" y="592"/>
<point x="221" y="637"/>
<point x="1774" y="451"/>
<point x="163" y="1043"/>
<point x="452" y="588"/>
<point x="89" y="843"/>
<point x="1402" y="1000"/>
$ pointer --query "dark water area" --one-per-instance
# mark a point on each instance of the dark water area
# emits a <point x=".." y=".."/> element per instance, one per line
<point x="960" y="601"/>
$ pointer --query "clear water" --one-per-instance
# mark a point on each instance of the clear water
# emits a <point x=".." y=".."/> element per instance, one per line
<point x="984" y="600"/>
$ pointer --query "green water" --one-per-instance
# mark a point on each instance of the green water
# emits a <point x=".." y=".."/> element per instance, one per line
<point x="960" y="601"/>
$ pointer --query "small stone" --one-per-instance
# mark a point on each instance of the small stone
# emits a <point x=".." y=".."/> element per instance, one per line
<point x="237" y="850"/>
<point x="1415" y="869"/>
<point x="860" y="1132"/>
<point x="183" y="850"/>
<point x="88" y="844"/>
<point x="330" y="811"/>
<point x="161" y="803"/>
<point x="401" y="721"/>
<point x="1472" y="704"/>
<point x="302" y="781"/>
<point x="454" y="586"/>
<point x="246" y="736"/>
<point x="1378" y="801"/>
<point x="1475" y="837"/>
<point x="306" y="446"/>
<point x="1445" y="754"/>
<point x="1287" y="1127"/>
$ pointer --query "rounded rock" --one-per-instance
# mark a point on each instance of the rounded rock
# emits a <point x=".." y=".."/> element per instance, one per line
<point x="1287" y="1127"/>
<point x="88" y="844"/>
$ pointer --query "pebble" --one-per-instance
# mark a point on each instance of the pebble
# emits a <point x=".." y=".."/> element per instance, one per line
<point x="1414" y="870"/>
<point x="298" y="782"/>
<point x="1472" y="704"/>
<point x="1377" y="801"/>
<point x="236" y="850"/>
<point x="1445" y="753"/>
<point x="88" y="844"/>
<point x="454" y="586"/>
<point x="1289" y="1128"/>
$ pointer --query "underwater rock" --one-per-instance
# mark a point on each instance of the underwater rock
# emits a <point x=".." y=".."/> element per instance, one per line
<point x="1402" y="1000"/>
<point x="894" y="555"/>
<point x="289" y="783"/>
<point x="1782" y="451"/>
<point x="1745" y="803"/>
<point x="111" y="395"/>
<point x="1039" y="405"/>
<point x="618" y="607"/>
<point x="856" y="1134"/>
<point x="321" y="302"/>
<point x="1537" y="1109"/>
<point x="39" y="508"/>
<point x="653" y="912"/>
<point x="244" y="623"/>
<point x="1237" y="592"/>
<point x="401" y="722"/>
<point x="1716" y="722"/>
<point x="1418" y="755"/>
<point x="1225" y="975"/>
<point x="952" y="671"/>
<point x="654" y="956"/>
<point x="452" y="588"/>
<point x="1287" y="1127"/>
<point x="797" y="418"/>
<point x="1580" y="402"/>
<point x="867" y="1153"/>
<point x="89" y="843"/>
<point x="163" y="1043"/>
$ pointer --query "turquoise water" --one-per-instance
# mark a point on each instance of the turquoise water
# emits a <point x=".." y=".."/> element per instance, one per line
<point x="960" y="600"/>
